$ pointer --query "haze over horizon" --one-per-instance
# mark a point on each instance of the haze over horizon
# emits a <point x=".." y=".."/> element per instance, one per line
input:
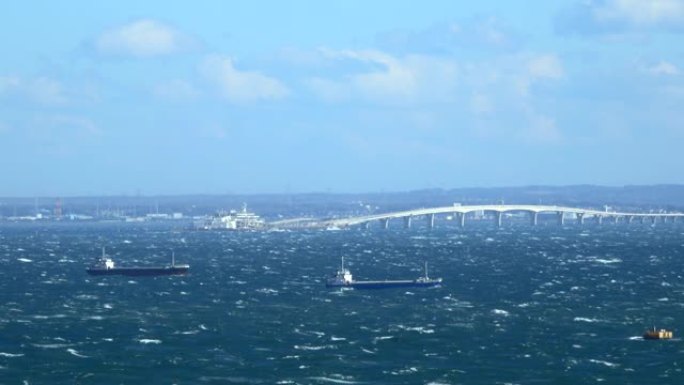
<point x="343" y="96"/>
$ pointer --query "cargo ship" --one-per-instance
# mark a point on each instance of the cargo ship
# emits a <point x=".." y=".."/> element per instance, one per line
<point x="105" y="266"/>
<point x="343" y="278"/>
<point x="654" y="334"/>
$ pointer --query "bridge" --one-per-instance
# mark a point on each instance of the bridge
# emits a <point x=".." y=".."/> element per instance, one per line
<point x="498" y="212"/>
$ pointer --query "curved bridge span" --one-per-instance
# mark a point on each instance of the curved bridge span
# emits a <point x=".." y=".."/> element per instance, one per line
<point x="498" y="211"/>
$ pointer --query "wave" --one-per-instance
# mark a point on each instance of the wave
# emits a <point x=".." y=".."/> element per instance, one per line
<point x="333" y="380"/>
<point x="585" y="319"/>
<point x="76" y="353"/>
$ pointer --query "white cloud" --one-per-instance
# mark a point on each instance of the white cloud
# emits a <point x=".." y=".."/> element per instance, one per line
<point x="664" y="68"/>
<point x="481" y="104"/>
<point x="640" y="12"/>
<point x="46" y="91"/>
<point x="9" y="83"/>
<point x="542" y="129"/>
<point x="536" y="68"/>
<point x="143" y="38"/>
<point x="386" y="78"/>
<point x="176" y="89"/>
<point x="394" y="79"/>
<point x="329" y="90"/>
<point x="42" y="90"/>
<point x="617" y="17"/>
<point x="213" y="131"/>
<point x="241" y="86"/>
<point x="545" y="66"/>
<point x="77" y="125"/>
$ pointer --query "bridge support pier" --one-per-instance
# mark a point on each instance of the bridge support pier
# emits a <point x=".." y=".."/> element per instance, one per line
<point x="534" y="217"/>
<point x="642" y="219"/>
<point x="407" y="222"/>
<point x="498" y="216"/>
<point x="599" y="219"/>
<point x="365" y="225"/>
<point x="630" y="219"/>
<point x="460" y="217"/>
<point x="653" y="220"/>
<point x="384" y="223"/>
<point x="580" y="218"/>
<point x="561" y="218"/>
<point x="431" y="221"/>
<point x="616" y="219"/>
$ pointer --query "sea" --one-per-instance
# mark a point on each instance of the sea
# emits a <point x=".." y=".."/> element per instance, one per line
<point x="519" y="305"/>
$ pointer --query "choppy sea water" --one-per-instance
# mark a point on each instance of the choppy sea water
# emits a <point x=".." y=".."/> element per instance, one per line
<point x="520" y="305"/>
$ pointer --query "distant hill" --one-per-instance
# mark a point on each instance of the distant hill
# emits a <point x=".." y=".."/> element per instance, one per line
<point x="639" y="198"/>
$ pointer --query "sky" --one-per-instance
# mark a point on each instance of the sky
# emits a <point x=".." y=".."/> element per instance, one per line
<point x="214" y="97"/>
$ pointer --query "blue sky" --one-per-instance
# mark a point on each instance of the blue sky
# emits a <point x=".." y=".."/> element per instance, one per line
<point x="341" y="96"/>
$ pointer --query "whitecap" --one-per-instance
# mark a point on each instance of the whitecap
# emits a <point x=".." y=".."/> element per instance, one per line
<point x="608" y="261"/>
<point x="333" y="380"/>
<point x="49" y="316"/>
<point x="76" y="353"/>
<point x="585" y="319"/>
<point x="267" y="291"/>
<point x="51" y="346"/>
<point x="10" y="355"/>
<point x="149" y="341"/>
<point x="381" y="338"/>
<point x="309" y="347"/>
<point x="500" y="312"/>
<point x="606" y="363"/>
<point x="418" y="329"/>
<point x="26" y="260"/>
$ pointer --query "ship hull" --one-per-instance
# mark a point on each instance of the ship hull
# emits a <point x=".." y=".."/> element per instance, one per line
<point x="139" y="271"/>
<point x="385" y="284"/>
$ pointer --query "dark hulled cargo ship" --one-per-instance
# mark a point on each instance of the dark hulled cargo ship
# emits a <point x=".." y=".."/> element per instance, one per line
<point x="343" y="278"/>
<point x="105" y="266"/>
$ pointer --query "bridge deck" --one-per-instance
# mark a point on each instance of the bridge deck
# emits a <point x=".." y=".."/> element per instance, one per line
<point x="500" y="209"/>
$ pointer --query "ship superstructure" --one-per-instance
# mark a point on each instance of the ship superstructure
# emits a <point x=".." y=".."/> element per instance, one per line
<point x="234" y="220"/>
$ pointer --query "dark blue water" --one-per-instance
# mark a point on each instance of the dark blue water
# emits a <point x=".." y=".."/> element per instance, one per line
<point x="520" y="305"/>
